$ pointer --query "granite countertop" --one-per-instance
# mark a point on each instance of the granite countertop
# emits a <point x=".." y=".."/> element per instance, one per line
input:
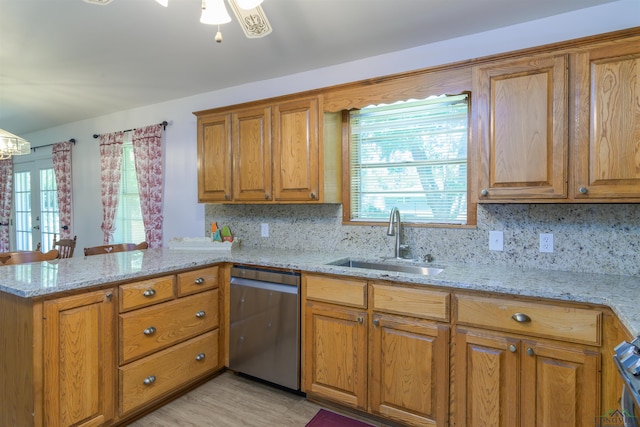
<point x="38" y="280"/>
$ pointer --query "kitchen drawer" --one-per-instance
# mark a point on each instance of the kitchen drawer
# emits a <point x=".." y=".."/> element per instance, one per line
<point x="556" y="321"/>
<point x="195" y="281"/>
<point x="413" y="302"/>
<point x="156" y="375"/>
<point x="153" y="328"/>
<point x="338" y="291"/>
<point x="146" y="292"/>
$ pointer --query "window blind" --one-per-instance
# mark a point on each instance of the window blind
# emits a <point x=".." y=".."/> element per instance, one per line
<point x="411" y="155"/>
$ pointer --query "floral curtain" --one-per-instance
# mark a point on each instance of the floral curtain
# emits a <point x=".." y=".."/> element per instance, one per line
<point x="61" y="154"/>
<point x="110" y="163"/>
<point x="147" y="153"/>
<point x="6" y="193"/>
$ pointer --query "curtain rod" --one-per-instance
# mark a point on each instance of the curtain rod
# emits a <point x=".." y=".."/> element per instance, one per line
<point x="164" y="126"/>
<point x="72" y="140"/>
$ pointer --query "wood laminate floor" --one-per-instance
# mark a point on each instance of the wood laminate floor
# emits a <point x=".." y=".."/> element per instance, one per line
<point x="231" y="400"/>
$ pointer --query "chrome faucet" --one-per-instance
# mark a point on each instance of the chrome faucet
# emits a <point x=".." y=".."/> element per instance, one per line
<point x="395" y="229"/>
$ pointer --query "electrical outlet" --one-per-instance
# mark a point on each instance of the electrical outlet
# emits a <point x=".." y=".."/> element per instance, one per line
<point x="264" y="229"/>
<point x="546" y="242"/>
<point x="496" y="242"/>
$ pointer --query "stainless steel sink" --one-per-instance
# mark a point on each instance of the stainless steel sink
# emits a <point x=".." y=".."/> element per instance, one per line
<point x="374" y="265"/>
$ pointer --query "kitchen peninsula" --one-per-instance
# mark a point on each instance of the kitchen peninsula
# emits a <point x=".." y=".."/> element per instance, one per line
<point x="32" y="294"/>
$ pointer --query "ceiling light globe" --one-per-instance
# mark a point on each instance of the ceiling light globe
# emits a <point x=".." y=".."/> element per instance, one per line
<point x="164" y="3"/>
<point x="214" y="12"/>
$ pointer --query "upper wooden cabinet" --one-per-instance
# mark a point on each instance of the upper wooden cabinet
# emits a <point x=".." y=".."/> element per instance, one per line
<point x="272" y="151"/>
<point x="251" y="155"/>
<point x="522" y="124"/>
<point x="606" y="133"/>
<point x="296" y="157"/>
<point x="214" y="158"/>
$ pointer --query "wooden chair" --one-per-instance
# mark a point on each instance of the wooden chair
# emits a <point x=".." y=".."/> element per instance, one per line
<point x="65" y="246"/>
<point x="118" y="247"/>
<point x="22" y="257"/>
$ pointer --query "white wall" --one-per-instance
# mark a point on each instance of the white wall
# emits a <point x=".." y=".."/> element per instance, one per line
<point x="183" y="216"/>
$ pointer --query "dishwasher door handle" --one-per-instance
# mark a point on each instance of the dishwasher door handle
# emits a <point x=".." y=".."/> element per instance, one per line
<point x="276" y="287"/>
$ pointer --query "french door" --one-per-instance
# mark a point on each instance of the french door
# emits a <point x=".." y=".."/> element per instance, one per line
<point x="35" y="215"/>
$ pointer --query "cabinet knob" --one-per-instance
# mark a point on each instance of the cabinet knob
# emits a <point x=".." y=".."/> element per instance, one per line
<point x="484" y="193"/>
<point x="583" y="190"/>
<point x="149" y="380"/>
<point x="312" y="196"/>
<point x="227" y="197"/>
<point x="149" y="293"/>
<point x="149" y="331"/>
<point x="200" y="314"/>
<point x="266" y="196"/>
<point x="530" y="351"/>
<point x="521" y="318"/>
<point x="360" y="320"/>
<point x="200" y="357"/>
<point x="109" y="297"/>
<point x="512" y="348"/>
<point x="376" y="322"/>
<point x="199" y="281"/>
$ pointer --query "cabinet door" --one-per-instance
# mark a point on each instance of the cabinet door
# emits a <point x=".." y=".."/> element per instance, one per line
<point x="522" y="123"/>
<point x="296" y="157"/>
<point x="252" y="155"/>
<point x="336" y="354"/>
<point x="214" y="158"/>
<point x="487" y="381"/>
<point x="410" y="370"/>
<point x="79" y="360"/>
<point x="607" y="128"/>
<point x="559" y="385"/>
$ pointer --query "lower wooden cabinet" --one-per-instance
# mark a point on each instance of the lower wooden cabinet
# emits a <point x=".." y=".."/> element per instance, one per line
<point x="156" y="375"/>
<point x="336" y="354"/>
<point x="79" y="360"/>
<point x="503" y="380"/>
<point x="409" y="369"/>
<point x="374" y="359"/>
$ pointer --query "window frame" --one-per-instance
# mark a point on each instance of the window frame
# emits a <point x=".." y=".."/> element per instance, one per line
<point x="472" y="206"/>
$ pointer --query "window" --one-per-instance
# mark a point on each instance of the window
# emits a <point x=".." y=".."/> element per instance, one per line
<point x="35" y="205"/>
<point x="128" y="220"/>
<point x="411" y="155"/>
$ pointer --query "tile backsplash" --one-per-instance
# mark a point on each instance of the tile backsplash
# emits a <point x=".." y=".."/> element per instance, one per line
<point x="593" y="238"/>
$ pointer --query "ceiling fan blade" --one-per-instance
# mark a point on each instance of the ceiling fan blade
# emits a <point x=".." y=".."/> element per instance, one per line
<point x="254" y="22"/>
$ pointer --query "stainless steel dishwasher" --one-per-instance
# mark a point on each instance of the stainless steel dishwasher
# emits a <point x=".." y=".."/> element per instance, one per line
<point x="264" y="315"/>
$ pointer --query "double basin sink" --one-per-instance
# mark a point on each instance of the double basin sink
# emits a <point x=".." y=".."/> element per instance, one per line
<point x="389" y="266"/>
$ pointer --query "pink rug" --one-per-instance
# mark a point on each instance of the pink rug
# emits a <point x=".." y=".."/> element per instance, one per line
<point x="326" y="418"/>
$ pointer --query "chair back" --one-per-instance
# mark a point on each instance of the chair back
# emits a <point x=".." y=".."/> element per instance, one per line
<point x="65" y="246"/>
<point x="11" y="258"/>
<point x="118" y="247"/>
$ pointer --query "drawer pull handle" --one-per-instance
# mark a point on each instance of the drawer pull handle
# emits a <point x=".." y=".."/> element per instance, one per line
<point x="199" y="281"/>
<point x="521" y="318"/>
<point x="360" y="320"/>
<point x="530" y="351"/>
<point x="200" y="357"/>
<point x="149" y="331"/>
<point x="200" y="314"/>
<point x="376" y="322"/>
<point x="149" y="380"/>
<point x="149" y="292"/>
<point x="512" y="348"/>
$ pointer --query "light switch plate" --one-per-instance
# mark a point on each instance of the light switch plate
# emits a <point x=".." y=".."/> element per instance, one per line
<point x="496" y="242"/>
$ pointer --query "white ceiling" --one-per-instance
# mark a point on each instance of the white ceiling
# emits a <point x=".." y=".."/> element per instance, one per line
<point x="66" y="60"/>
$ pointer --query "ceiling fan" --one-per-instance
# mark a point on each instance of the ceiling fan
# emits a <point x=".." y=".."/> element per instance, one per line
<point x="249" y="13"/>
